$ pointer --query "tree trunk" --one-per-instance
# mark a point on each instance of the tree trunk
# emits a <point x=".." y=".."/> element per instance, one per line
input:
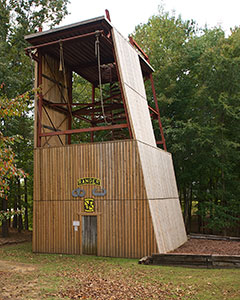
<point x="200" y="222"/>
<point x="190" y="212"/>
<point x="20" y="222"/>
<point x="5" y="232"/>
<point x="15" y="219"/>
<point x="186" y="205"/>
<point x="26" y="204"/>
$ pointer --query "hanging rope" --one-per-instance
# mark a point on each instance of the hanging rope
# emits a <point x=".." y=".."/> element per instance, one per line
<point x="62" y="65"/>
<point x="62" y="69"/>
<point x="97" y="54"/>
<point x="61" y="62"/>
<point x="31" y="53"/>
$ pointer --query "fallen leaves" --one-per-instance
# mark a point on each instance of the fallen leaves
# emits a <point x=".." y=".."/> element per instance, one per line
<point x="117" y="283"/>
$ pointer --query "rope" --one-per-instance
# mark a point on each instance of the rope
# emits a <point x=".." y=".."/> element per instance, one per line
<point x="61" y="62"/>
<point x="97" y="54"/>
<point x="31" y="53"/>
<point x="62" y="69"/>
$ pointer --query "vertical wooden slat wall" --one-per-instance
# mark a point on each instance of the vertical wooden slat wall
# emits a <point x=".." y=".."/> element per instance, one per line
<point x="124" y="224"/>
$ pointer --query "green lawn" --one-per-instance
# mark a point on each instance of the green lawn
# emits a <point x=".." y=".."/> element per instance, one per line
<point x="24" y="275"/>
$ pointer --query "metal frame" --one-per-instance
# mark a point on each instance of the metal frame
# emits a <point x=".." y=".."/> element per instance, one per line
<point x="87" y="111"/>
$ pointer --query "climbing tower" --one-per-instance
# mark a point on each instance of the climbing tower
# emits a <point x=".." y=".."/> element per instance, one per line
<point x="101" y="184"/>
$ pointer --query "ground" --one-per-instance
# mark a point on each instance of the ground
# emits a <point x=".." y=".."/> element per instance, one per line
<point x="25" y="275"/>
<point x="16" y="237"/>
<point x="200" y="246"/>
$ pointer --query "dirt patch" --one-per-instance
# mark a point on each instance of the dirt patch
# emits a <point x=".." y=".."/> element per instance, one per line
<point x="12" y="281"/>
<point x="7" y="266"/>
<point x="200" y="246"/>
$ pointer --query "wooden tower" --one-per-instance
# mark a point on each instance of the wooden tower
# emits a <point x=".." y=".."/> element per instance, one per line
<point x="101" y="184"/>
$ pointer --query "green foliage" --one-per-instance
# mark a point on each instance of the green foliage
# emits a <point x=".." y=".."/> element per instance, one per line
<point x="17" y="19"/>
<point x="8" y="168"/>
<point x="197" y="83"/>
<point x="31" y="14"/>
<point x="5" y="215"/>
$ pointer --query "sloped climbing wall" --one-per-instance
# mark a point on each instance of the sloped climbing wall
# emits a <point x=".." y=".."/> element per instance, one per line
<point x="157" y="165"/>
<point x="162" y="194"/>
<point x="134" y="90"/>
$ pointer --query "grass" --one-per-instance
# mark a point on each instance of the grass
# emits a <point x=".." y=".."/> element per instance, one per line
<point x="54" y="277"/>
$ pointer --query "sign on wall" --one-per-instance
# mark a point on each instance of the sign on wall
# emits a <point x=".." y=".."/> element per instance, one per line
<point x="98" y="191"/>
<point x="89" y="180"/>
<point x="89" y="205"/>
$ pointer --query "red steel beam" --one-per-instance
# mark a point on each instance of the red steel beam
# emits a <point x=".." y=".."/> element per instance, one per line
<point x="65" y="111"/>
<point x="64" y="40"/>
<point x="31" y="55"/>
<point x="91" y="129"/>
<point x="152" y="109"/>
<point x="134" y="43"/>
<point x="39" y="101"/>
<point x="92" y="113"/>
<point x="158" y="112"/>
<point x="107" y="15"/>
<point x="84" y="104"/>
<point x="56" y="107"/>
<point x="70" y="106"/>
<point x="89" y="110"/>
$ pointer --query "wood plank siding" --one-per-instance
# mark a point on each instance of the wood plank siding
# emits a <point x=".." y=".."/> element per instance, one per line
<point x="134" y="90"/>
<point x="124" y="223"/>
<point x="54" y="90"/>
<point x="162" y="194"/>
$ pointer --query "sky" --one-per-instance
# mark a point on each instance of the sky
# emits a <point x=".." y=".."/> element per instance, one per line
<point x="126" y="14"/>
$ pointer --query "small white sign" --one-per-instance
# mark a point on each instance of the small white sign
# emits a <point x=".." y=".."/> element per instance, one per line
<point x="76" y="223"/>
<point x="75" y="228"/>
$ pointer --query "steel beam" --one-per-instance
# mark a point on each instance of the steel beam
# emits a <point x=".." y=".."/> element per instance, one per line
<point x="91" y="129"/>
<point x="70" y="105"/>
<point x="39" y="101"/>
<point x="158" y="112"/>
<point x="64" y="40"/>
<point x="92" y="113"/>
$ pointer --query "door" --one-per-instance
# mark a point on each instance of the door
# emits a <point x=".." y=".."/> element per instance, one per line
<point x="89" y="235"/>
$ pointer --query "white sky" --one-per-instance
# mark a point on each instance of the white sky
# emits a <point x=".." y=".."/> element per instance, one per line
<point x="126" y="14"/>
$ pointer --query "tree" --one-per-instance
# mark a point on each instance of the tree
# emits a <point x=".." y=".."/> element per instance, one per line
<point x="197" y="76"/>
<point x="8" y="168"/>
<point x="23" y="148"/>
<point x="19" y="18"/>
